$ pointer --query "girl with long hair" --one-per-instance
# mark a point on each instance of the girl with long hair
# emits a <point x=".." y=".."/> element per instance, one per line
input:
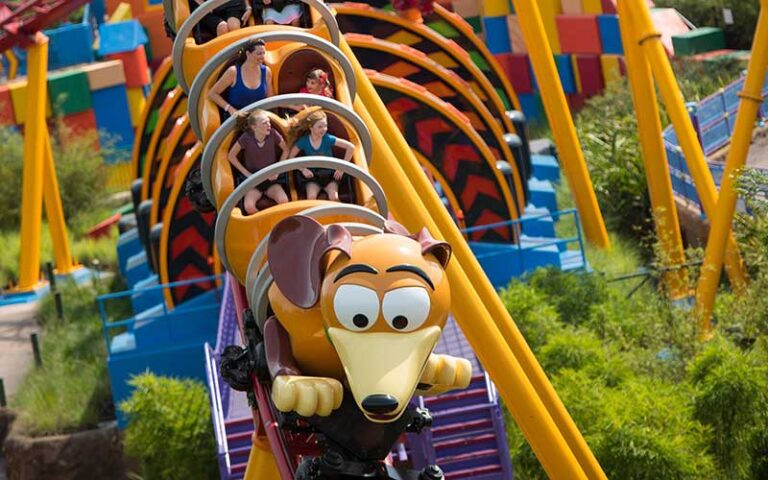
<point x="309" y="135"/>
<point x="259" y="143"/>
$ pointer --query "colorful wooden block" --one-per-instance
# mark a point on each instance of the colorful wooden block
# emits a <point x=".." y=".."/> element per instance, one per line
<point x="668" y="22"/>
<point x="571" y="7"/>
<point x="497" y="34"/>
<point x="136" y="103"/>
<point x="704" y="39"/>
<point x="516" y="40"/>
<point x="6" y="107"/>
<point x="135" y="66"/>
<point x="69" y="92"/>
<point x="565" y="70"/>
<point x="517" y="68"/>
<point x="579" y="34"/>
<point x="532" y="106"/>
<point x="18" y="89"/>
<point x="576" y="101"/>
<point x="120" y="37"/>
<point x="590" y="74"/>
<point x="69" y="45"/>
<point x="610" y="35"/>
<point x="608" y="6"/>
<point x="113" y="116"/>
<point x="611" y="69"/>
<point x="495" y="8"/>
<point x="477" y="25"/>
<point x="79" y="124"/>
<point x="158" y="39"/>
<point x="593" y="7"/>
<point x="104" y="74"/>
<point x="122" y="13"/>
<point x="467" y="8"/>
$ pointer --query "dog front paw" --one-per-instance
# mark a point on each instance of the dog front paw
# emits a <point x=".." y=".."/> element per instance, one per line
<point x="444" y="373"/>
<point x="307" y="396"/>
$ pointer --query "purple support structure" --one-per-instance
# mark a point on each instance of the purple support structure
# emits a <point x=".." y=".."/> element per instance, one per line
<point x="232" y="419"/>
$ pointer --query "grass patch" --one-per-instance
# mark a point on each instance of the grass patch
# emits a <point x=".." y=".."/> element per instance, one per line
<point x="70" y="392"/>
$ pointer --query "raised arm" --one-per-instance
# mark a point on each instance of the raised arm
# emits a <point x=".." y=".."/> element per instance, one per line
<point x="348" y="146"/>
<point x="227" y="80"/>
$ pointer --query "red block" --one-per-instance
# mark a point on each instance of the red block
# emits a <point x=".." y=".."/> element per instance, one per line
<point x="518" y="70"/>
<point x="579" y="34"/>
<point x="6" y="107"/>
<point x="79" y="124"/>
<point x="576" y="101"/>
<point x="135" y="67"/>
<point x="609" y="6"/>
<point x="590" y="74"/>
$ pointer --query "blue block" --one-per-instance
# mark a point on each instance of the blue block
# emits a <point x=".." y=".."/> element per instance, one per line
<point x="531" y="105"/>
<point x="143" y="299"/>
<point x="69" y="45"/>
<point x="565" y="69"/>
<point x="137" y="268"/>
<point x="542" y="194"/>
<point x="97" y="10"/>
<point x="610" y="35"/>
<point x="545" y="167"/>
<point x="497" y="34"/>
<point x="113" y="117"/>
<point x="128" y="244"/>
<point x="121" y="37"/>
<point x="535" y="224"/>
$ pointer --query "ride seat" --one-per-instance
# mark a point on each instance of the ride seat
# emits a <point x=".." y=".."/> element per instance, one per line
<point x="293" y="72"/>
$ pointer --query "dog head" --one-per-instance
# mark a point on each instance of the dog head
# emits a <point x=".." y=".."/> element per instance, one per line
<point x="382" y="299"/>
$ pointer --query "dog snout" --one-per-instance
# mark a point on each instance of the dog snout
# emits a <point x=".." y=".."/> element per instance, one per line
<point x="380" y="404"/>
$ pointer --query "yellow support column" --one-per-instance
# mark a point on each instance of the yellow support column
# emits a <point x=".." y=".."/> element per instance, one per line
<point x="55" y="213"/>
<point x="720" y="223"/>
<point x="34" y="151"/>
<point x="650" y="41"/>
<point x="519" y="395"/>
<point x="654" y="158"/>
<point x="559" y="115"/>
<point x="489" y="299"/>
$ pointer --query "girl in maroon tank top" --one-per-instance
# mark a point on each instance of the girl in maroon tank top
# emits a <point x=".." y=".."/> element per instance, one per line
<point x="259" y="144"/>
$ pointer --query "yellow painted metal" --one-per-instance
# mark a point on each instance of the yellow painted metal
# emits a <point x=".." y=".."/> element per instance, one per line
<point x="261" y="463"/>
<point x="751" y="100"/>
<point x="654" y="158"/>
<point x="649" y="39"/>
<point x="54" y="212"/>
<point x="479" y="306"/>
<point x="561" y="122"/>
<point x="515" y="388"/>
<point x="34" y="151"/>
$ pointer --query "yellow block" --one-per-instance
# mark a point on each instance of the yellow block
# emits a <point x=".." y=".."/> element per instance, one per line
<point x="549" y="9"/>
<point x="592" y="6"/>
<point x="136" y="103"/>
<point x="495" y="8"/>
<point x="123" y="12"/>
<point x="18" y="89"/>
<point x="611" y="69"/>
<point x="576" y="76"/>
<point x="119" y="175"/>
<point x="572" y="7"/>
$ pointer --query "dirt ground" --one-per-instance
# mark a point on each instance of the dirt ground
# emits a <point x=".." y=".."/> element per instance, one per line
<point x="758" y="151"/>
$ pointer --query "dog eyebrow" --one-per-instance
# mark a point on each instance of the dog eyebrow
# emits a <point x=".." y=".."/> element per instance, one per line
<point x="356" y="268"/>
<point x="412" y="269"/>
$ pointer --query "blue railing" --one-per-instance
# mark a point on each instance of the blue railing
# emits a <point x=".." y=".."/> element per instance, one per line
<point x="517" y="226"/>
<point x="108" y="326"/>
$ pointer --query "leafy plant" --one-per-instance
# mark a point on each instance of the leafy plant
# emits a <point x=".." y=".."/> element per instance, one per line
<point x="572" y="295"/>
<point x="170" y="428"/>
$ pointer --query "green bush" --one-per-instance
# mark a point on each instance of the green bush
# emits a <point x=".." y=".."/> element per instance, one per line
<point x="572" y="349"/>
<point x="709" y="13"/>
<point x="71" y="390"/>
<point x="572" y="295"/>
<point x="79" y="169"/>
<point x="732" y="398"/>
<point x="535" y="318"/>
<point x="170" y="428"/>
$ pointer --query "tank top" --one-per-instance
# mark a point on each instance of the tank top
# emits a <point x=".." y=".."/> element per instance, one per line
<point x="240" y="96"/>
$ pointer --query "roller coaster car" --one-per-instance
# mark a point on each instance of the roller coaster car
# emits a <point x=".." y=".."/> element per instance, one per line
<point x="355" y="322"/>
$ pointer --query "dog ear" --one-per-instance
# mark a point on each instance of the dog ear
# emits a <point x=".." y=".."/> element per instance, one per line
<point x="391" y="226"/>
<point x="441" y="250"/>
<point x="295" y="253"/>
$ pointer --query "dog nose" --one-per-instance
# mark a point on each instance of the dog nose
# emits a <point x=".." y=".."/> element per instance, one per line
<point x="380" y="404"/>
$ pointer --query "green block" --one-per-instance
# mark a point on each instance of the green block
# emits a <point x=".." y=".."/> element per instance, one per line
<point x="69" y="92"/>
<point x="476" y="22"/>
<point x="700" y="40"/>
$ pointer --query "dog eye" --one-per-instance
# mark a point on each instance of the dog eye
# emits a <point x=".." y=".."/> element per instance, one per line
<point x="406" y="309"/>
<point x="356" y="307"/>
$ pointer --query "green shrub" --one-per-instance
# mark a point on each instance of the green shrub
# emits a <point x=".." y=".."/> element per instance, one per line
<point x="71" y="390"/>
<point x="732" y="398"/>
<point x="572" y="294"/>
<point x="572" y="349"/>
<point x="535" y="318"/>
<point x="170" y="428"/>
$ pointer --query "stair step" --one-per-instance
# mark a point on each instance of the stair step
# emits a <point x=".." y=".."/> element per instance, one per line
<point x="240" y="451"/>
<point x="238" y="468"/>
<point x="238" y="437"/>
<point x="473" y="472"/>
<point x="463" y="457"/>
<point x="464" y="441"/>
<point x="238" y="422"/>
<point x="454" y="397"/>
<point x="452" y="429"/>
